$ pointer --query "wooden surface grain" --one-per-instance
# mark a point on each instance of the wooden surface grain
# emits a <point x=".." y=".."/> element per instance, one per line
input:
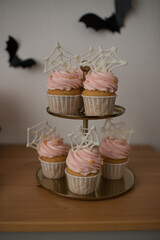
<point x="25" y="206"/>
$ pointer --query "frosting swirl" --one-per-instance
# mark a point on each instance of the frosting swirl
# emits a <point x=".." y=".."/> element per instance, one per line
<point x="64" y="80"/>
<point x="53" y="147"/>
<point x="114" y="148"/>
<point x="80" y="74"/>
<point x="101" y="81"/>
<point x="84" y="161"/>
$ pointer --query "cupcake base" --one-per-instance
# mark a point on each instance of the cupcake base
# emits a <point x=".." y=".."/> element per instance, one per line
<point x="65" y="104"/>
<point x="81" y="185"/>
<point x="53" y="170"/>
<point x="113" y="171"/>
<point x="98" y="105"/>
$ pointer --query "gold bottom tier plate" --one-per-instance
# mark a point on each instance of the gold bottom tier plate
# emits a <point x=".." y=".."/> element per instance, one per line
<point x="105" y="188"/>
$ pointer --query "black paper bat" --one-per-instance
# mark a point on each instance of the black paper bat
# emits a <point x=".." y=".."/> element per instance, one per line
<point x="14" y="60"/>
<point x="114" y="22"/>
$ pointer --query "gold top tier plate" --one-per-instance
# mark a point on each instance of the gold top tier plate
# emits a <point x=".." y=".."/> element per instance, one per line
<point x="117" y="111"/>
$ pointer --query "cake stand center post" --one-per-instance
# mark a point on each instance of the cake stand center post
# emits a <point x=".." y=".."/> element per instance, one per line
<point x="85" y="125"/>
<point x="85" y="70"/>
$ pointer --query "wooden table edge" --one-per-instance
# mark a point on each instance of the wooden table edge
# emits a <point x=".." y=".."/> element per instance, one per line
<point x="78" y="226"/>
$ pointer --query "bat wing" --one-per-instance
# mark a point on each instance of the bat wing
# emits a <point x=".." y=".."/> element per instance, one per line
<point x="122" y="7"/>
<point x="11" y="48"/>
<point x="93" y="21"/>
<point x="17" y="62"/>
<point x="14" y="60"/>
<point x="28" y="63"/>
<point x="112" y="24"/>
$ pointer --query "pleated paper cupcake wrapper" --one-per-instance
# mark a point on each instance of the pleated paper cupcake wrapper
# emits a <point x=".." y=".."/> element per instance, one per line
<point x="81" y="185"/>
<point x="68" y="105"/>
<point x="98" y="106"/>
<point x="113" y="171"/>
<point x="53" y="170"/>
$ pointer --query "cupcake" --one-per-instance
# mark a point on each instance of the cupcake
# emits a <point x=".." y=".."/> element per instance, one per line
<point x="64" y="92"/>
<point x="100" y="84"/>
<point x="51" y="149"/>
<point x="52" y="155"/>
<point x="115" y="152"/>
<point x="83" y="161"/>
<point x="100" y="93"/>
<point x="65" y="81"/>
<point x="83" y="169"/>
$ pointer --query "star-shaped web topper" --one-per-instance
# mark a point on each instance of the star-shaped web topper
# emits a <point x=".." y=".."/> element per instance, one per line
<point x="40" y="132"/>
<point x="112" y="130"/>
<point x="61" y="60"/>
<point x="82" y="139"/>
<point x="102" y="60"/>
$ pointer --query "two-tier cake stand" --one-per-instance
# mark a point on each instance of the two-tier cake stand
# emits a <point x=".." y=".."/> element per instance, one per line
<point x="105" y="188"/>
<point x="100" y="59"/>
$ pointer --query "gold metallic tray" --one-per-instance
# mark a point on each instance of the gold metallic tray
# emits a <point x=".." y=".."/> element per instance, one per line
<point x="118" y="111"/>
<point x="105" y="188"/>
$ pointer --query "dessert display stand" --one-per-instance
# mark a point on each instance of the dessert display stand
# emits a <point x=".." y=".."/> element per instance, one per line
<point x="105" y="188"/>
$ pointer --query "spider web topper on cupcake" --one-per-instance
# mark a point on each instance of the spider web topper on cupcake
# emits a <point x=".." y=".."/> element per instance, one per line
<point x="83" y="138"/>
<point x="38" y="133"/>
<point x="61" y="60"/>
<point x="112" y="130"/>
<point x="102" y="60"/>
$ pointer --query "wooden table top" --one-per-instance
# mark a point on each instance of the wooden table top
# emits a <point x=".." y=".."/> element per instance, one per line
<point x="25" y="206"/>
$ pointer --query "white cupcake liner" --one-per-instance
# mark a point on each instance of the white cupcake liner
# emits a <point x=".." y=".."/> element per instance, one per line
<point x="113" y="171"/>
<point x="81" y="185"/>
<point x="99" y="106"/>
<point x="53" y="170"/>
<point x="64" y="104"/>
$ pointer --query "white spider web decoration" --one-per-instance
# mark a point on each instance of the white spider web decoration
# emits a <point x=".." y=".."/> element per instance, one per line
<point x="61" y="60"/>
<point x="40" y="132"/>
<point x="87" y="56"/>
<point x="80" y="138"/>
<point x="102" y="60"/>
<point x="112" y="130"/>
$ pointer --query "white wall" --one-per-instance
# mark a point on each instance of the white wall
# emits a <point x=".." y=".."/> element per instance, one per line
<point x="39" y="24"/>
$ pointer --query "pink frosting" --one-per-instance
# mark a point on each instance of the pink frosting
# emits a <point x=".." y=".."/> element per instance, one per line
<point x="64" y="80"/>
<point x="101" y="81"/>
<point x="53" y="147"/>
<point x="84" y="161"/>
<point x="80" y="74"/>
<point x="114" y="148"/>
